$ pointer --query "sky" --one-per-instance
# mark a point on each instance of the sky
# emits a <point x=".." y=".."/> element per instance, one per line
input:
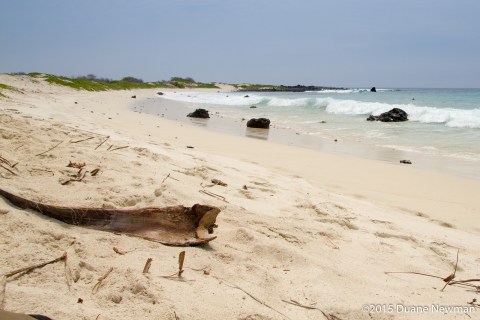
<point x="345" y="43"/>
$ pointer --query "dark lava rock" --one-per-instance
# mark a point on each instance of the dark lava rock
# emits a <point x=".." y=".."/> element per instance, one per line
<point x="373" y="89"/>
<point x="262" y="123"/>
<point x="246" y="96"/>
<point x="160" y="93"/>
<point x="199" y="113"/>
<point x="253" y="107"/>
<point x="394" y="115"/>
<point x="406" y="161"/>
<point x="133" y="97"/>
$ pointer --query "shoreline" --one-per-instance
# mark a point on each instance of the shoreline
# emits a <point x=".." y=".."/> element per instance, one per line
<point x="177" y="111"/>
<point x="296" y="224"/>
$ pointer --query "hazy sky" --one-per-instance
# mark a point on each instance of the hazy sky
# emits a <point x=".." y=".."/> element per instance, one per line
<point x="383" y="43"/>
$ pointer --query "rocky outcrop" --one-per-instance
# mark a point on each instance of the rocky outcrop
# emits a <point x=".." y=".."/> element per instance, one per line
<point x="373" y="89"/>
<point x="262" y="123"/>
<point x="199" y="113"/>
<point x="394" y="115"/>
<point x="297" y="88"/>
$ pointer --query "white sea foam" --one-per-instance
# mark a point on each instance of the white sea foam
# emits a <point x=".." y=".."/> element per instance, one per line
<point x="451" y="117"/>
<point x="457" y="118"/>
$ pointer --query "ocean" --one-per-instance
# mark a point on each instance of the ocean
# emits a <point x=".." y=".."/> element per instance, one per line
<point x="443" y="123"/>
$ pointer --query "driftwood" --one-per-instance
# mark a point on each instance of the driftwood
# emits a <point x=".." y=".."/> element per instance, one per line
<point x="176" y="225"/>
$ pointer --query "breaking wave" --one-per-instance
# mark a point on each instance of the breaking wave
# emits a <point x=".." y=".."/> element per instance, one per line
<point x="451" y="117"/>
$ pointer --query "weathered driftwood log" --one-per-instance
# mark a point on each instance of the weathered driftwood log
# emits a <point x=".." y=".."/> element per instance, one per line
<point x="176" y="225"/>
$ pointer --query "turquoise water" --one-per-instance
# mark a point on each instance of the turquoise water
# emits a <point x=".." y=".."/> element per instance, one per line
<point x="442" y="122"/>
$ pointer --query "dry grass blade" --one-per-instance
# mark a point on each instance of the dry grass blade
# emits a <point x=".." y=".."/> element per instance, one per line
<point x="40" y="265"/>
<point x="147" y="266"/>
<point x="451" y="276"/>
<point x="118" y="148"/>
<point x="231" y="285"/>
<point x="101" y="143"/>
<point x="1" y="165"/>
<point x="412" y="272"/>
<point x="50" y="149"/>
<point x="8" y="163"/>
<point x="89" y="138"/>
<point x="214" y="195"/>
<point x="181" y="260"/>
<point x="100" y="281"/>
<point x="298" y="304"/>
<point x="94" y="172"/>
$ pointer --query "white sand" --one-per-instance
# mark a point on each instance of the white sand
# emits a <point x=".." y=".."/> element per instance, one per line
<point x="316" y="228"/>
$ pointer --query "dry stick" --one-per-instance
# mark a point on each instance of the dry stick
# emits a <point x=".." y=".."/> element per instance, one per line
<point x="8" y="163"/>
<point x="214" y="195"/>
<point x="177" y="275"/>
<point x="50" y="149"/>
<point x="231" y="285"/>
<point x="89" y="138"/>
<point x="452" y="276"/>
<point x="298" y="304"/>
<point x="40" y="265"/>
<point x="412" y="272"/>
<point x="108" y="137"/>
<point x="166" y="178"/>
<point x="1" y="165"/>
<point x="100" y="281"/>
<point x="119" y="148"/>
<point x="181" y="260"/>
<point x="18" y="147"/>
<point x="147" y="265"/>
<point x="3" y="285"/>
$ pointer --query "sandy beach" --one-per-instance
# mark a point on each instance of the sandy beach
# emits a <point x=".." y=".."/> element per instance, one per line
<point x="302" y="234"/>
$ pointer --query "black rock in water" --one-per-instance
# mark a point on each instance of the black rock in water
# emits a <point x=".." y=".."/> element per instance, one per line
<point x="262" y="123"/>
<point x="394" y="115"/>
<point x="199" y="113"/>
<point x="160" y="93"/>
<point x="373" y="89"/>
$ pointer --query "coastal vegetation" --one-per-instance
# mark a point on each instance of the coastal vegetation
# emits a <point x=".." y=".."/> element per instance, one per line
<point x="6" y="87"/>
<point x="255" y="87"/>
<point x="91" y="82"/>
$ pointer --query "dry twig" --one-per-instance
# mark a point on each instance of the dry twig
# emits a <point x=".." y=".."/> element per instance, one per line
<point x="49" y="149"/>
<point x="40" y="265"/>
<point x="94" y="172"/>
<point x="100" y="281"/>
<point x="89" y="138"/>
<point x="108" y="137"/>
<point x="449" y="279"/>
<point x="231" y="285"/>
<point x="181" y="260"/>
<point x="4" y="167"/>
<point x="117" y="148"/>
<point x="168" y="176"/>
<point x="147" y="265"/>
<point x="214" y="195"/>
